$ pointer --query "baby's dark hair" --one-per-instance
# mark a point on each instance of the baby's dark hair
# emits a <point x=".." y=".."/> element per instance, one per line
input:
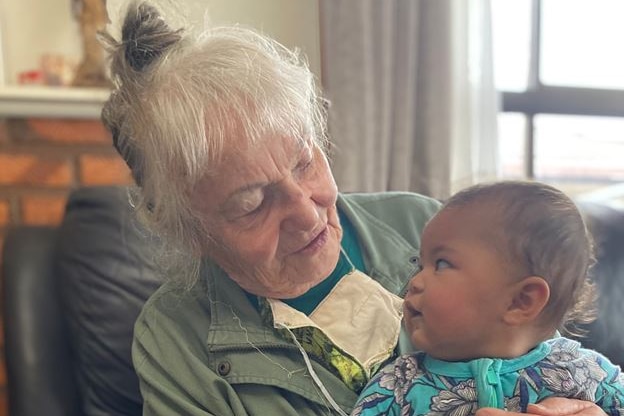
<point x="545" y="236"/>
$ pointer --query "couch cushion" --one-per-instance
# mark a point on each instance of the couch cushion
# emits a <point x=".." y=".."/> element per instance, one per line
<point x="106" y="272"/>
<point x="606" y="334"/>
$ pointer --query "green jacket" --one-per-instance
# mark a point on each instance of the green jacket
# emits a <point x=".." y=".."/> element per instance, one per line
<point x="206" y="351"/>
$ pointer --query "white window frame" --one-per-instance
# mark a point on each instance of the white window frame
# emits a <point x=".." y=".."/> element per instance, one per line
<point x="543" y="99"/>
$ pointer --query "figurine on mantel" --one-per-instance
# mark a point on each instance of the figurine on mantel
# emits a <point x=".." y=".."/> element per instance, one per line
<point x="92" y="17"/>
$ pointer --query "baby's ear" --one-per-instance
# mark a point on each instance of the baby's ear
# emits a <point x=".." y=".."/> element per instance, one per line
<point x="529" y="299"/>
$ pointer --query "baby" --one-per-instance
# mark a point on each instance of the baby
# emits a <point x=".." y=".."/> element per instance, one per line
<point x="502" y="267"/>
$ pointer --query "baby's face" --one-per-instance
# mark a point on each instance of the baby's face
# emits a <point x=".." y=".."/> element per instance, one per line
<point x="454" y="305"/>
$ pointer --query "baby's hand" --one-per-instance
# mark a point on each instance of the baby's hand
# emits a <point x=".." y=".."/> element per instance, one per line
<point x="554" y="406"/>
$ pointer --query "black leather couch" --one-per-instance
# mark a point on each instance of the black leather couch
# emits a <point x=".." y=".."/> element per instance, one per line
<point x="606" y="334"/>
<point x="72" y="293"/>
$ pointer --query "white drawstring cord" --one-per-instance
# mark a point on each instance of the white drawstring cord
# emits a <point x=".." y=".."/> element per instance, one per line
<point x="348" y="259"/>
<point x="315" y="377"/>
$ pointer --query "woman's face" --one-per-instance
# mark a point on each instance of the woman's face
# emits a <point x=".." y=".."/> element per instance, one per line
<point x="271" y="214"/>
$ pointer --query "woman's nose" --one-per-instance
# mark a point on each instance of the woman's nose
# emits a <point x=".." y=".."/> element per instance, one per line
<point x="302" y="212"/>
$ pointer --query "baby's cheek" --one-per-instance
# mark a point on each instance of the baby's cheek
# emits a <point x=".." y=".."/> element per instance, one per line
<point x="442" y="308"/>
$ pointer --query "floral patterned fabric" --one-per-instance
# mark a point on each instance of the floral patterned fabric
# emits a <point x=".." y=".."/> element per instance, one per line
<point x="417" y="384"/>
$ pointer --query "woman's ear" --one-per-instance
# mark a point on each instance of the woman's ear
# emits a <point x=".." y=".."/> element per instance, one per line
<point x="529" y="299"/>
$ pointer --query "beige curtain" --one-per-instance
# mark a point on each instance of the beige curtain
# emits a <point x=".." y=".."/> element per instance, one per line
<point x="413" y="105"/>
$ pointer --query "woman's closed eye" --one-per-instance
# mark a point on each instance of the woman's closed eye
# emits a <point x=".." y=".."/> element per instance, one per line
<point x="253" y="210"/>
<point x="250" y="206"/>
<point x="304" y="164"/>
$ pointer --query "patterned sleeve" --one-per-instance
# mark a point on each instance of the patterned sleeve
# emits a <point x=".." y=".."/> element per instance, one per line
<point x="385" y="392"/>
<point x="587" y="375"/>
<point x="610" y="393"/>
<point x="576" y="372"/>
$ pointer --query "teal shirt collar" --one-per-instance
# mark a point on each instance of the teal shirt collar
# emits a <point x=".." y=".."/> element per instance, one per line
<point x="465" y="368"/>
<point x="307" y="302"/>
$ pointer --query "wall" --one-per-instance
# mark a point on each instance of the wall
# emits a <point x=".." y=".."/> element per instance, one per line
<point x="42" y="159"/>
<point x="30" y="29"/>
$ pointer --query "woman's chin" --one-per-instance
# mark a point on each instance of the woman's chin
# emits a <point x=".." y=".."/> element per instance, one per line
<point x="297" y="290"/>
<point x="279" y="291"/>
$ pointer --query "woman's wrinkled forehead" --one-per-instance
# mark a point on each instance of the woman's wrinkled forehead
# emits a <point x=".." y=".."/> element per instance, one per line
<point x="240" y="153"/>
<point x="245" y="123"/>
<point x="277" y="142"/>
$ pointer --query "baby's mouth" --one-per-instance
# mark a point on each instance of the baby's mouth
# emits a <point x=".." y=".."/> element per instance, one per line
<point x="413" y="312"/>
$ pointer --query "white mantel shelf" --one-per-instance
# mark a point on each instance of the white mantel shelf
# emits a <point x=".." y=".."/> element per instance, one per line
<point x="51" y="102"/>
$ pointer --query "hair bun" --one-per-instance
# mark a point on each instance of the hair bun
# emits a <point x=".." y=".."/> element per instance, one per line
<point x="146" y="36"/>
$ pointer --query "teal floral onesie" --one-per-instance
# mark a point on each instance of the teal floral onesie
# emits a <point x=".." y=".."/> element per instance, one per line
<point x="418" y="384"/>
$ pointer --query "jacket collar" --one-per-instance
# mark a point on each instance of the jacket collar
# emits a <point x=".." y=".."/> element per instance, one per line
<point x="388" y="257"/>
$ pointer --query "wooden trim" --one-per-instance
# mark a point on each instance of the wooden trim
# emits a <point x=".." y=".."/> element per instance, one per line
<point x="51" y="102"/>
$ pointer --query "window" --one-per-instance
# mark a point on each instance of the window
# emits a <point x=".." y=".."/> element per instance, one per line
<point x="560" y="69"/>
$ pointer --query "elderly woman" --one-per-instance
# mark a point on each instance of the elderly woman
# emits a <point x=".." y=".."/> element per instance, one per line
<point x="284" y="295"/>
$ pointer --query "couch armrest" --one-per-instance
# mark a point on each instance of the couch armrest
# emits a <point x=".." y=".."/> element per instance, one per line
<point x="607" y="226"/>
<point x="39" y="370"/>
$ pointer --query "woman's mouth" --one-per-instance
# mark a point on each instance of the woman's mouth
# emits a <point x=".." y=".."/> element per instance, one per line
<point x="316" y="244"/>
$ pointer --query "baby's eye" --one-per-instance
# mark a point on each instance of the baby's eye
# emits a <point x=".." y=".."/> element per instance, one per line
<point x="442" y="264"/>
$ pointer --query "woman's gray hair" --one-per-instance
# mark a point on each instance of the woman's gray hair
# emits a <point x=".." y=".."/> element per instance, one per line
<point x="178" y="100"/>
